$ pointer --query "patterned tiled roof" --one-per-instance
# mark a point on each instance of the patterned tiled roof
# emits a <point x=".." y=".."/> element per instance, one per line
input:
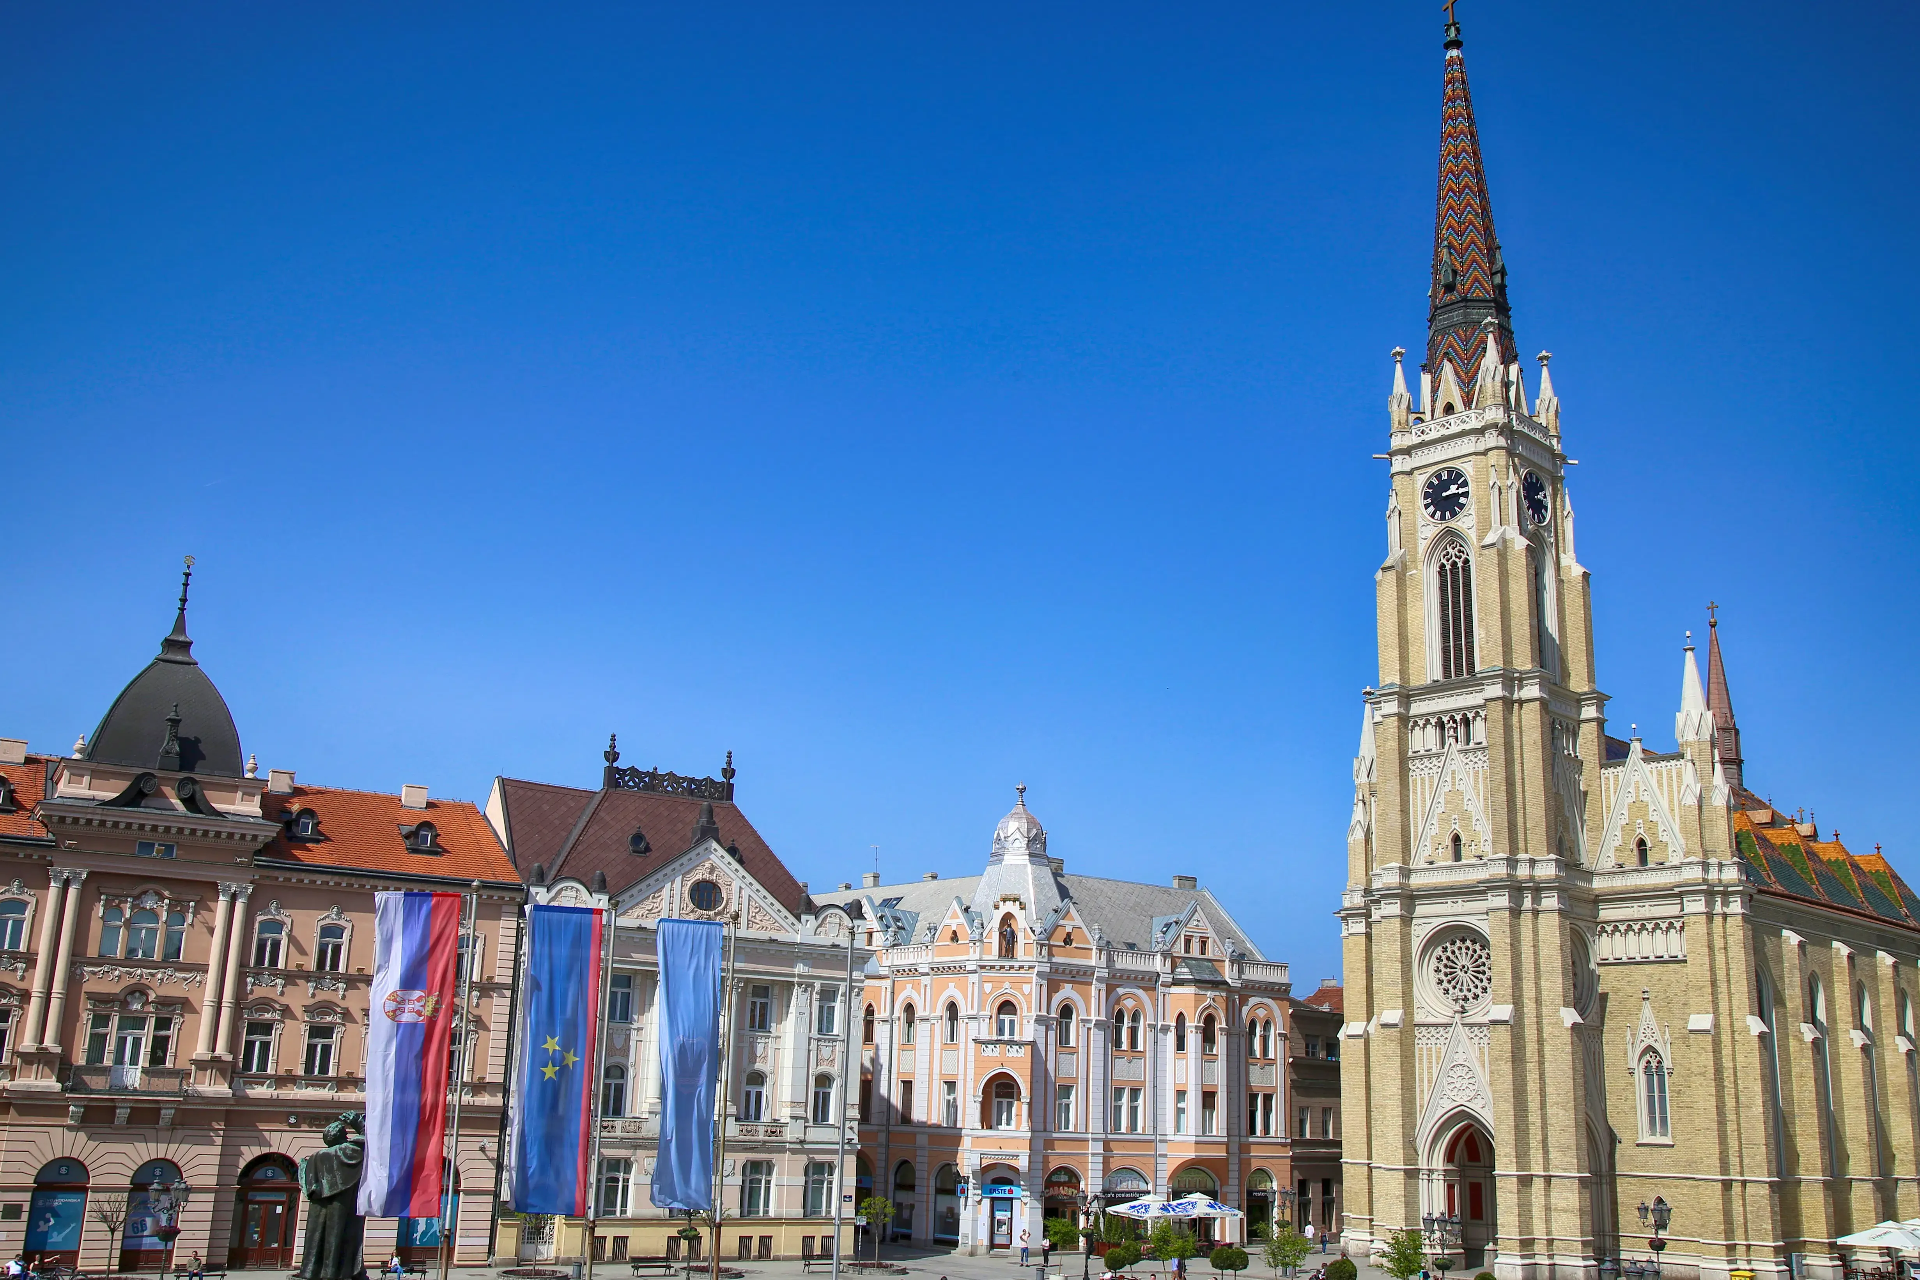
<point x="1469" y="275"/>
<point x="1790" y="859"/>
<point x="363" y="831"/>
<point x="1331" y="996"/>
<point x="28" y="782"/>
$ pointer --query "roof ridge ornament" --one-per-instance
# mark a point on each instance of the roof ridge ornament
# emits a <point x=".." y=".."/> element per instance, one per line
<point x="178" y="646"/>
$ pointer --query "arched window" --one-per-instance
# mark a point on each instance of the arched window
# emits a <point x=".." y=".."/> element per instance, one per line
<point x="331" y="955"/>
<point x="1653" y="1096"/>
<point x="1179" y="1033"/>
<point x="1009" y="940"/>
<point x="1904" y="1007"/>
<point x="1006" y="1020"/>
<point x="953" y="1023"/>
<point x="1119" y="1028"/>
<point x="906" y="1025"/>
<point x="112" y="926"/>
<point x="1453" y="601"/>
<point x="1822" y="1067"/>
<point x="267" y="939"/>
<point x="1209" y="1035"/>
<point x="613" y="1091"/>
<point x="753" y="1098"/>
<point x="143" y="935"/>
<point x="1640" y="855"/>
<point x="1253" y="1038"/>
<point x="307" y="825"/>
<point x="176" y="939"/>
<point x="866" y="1026"/>
<point x="823" y="1099"/>
<point x="1063" y="1020"/>
<point x="423" y="836"/>
<point x="1006" y="1103"/>
<point x="1133" y="1030"/>
<point x="13" y="925"/>
<point x="1456" y="846"/>
<point x="1863" y="1008"/>
<point x="1266" y="1038"/>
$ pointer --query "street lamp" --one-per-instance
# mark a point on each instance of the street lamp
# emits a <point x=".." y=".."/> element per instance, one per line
<point x="1659" y="1214"/>
<point x="165" y="1200"/>
<point x="1087" y="1203"/>
<point x="1443" y="1229"/>
<point x="1284" y="1198"/>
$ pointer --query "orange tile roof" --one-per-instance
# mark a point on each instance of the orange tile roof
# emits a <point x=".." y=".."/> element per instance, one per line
<point x="1332" y="999"/>
<point x="361" y="830"/>
<point x="29" y="783"/>
<point x="1785" y="861"/>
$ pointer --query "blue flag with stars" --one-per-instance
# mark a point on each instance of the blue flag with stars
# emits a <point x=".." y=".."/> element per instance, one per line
<point x="689" y="1030"/>
<point x="552" y="1134"/>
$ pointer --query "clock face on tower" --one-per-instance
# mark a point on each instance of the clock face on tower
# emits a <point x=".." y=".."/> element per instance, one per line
<point x="1445" y="494"/>
<point x="1534" y="490"/>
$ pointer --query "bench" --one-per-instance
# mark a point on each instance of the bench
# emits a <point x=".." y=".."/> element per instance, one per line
<point x="655" y="1266"/>
<point x="210" y="1273"/>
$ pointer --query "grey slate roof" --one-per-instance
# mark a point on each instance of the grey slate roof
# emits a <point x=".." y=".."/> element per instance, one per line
<point x="134" y="730"/>
<point x="1125" y="910"/>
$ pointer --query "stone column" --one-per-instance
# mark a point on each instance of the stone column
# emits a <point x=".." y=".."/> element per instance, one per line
<point x="42" y="970"/>
<point x="230" y="980"/>
<point x="210" y="1002"/>
<point x="57" y="995"/>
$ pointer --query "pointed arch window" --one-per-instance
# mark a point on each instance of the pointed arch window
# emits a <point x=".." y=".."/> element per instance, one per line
<point x="1064" y="1020"/>
<point x="1453" y="598"/>
<point x="1009" y="940"/>
<point x="1180" y="1033"/>
<point x="1456" y="846"/>
<point x="1654" y="1120"/>
<point x="1640" y="854"/>
<point x="953" y="1023"/>
<point x="906" y="1025"/>
<point x="866" y="1026"/>
<point x="1133" y="1030"/>
<point x="1209" y="1035"/>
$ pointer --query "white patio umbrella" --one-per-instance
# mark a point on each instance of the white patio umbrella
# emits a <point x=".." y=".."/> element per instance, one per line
<point x="1145" y="1209"/>
<point x="1199" y="1205"/>
<point x="1902" y="1237"/>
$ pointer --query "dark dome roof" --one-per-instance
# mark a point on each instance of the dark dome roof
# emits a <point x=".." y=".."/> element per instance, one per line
<point x="134" y="730"/>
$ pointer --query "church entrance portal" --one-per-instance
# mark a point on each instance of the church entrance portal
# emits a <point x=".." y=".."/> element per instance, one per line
<point x="1467" y="1170"/>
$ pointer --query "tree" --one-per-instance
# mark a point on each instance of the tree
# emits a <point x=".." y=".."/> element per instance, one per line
<point x="111" y="1210"/>
<point x="1405" y="1256"/>
<point x="1228" y="1258"/>
<point x="1285" y="1249"/>
<point x="1065" y="1236"/>
<point x="1167" y="1242"/>
<point x="1123" y="1255"/>
<point x="1342" y="1269"/>
<point x="878" y="1211"/>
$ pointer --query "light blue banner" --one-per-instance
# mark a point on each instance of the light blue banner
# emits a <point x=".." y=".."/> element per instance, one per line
<point x="689" y="954"/>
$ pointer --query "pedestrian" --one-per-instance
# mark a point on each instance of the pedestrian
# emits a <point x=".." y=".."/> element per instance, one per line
<point x="1023" y="1246"/>
<point x="18" y="1267"/>
<point x="1309" y="1234"/>
<point x="1046" y="1250"/>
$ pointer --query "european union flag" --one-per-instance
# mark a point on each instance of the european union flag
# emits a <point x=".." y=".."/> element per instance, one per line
<point x="553" y="1098"/>
<point x="689" y="1031"/>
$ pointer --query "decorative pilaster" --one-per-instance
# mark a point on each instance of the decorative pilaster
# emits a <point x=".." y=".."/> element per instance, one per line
<point x="42" y="972"/>
<point x="236" y="944"/>
<point x="216" y="969"/>
<point x="57" y="992"/>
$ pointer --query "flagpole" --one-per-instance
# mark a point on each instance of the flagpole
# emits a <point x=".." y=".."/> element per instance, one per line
<point x="599" y="1070"/>
<point x="472" y="913"/>
<point x="846" y="1047"/>
<point x="720" y="1101"/>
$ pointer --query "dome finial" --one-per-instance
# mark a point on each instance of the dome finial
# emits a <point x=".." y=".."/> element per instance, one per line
<point x="1021" y="788"/>
<point x="177" y="647"/>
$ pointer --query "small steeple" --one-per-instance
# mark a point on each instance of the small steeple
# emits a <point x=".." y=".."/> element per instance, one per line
<point x="1399" y="403"/>
<point x="1727" y="744"/>
<point x="177" y="647"/>
<point x="1364" y="760"/>
<point x="1694" y="723"/>
<point x="170" y="749"/>
<point x="1546" y="407"/>
<point x="1469" y="272"/>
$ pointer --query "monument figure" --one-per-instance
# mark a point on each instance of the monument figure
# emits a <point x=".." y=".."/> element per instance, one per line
<point x="330" y="1178"/>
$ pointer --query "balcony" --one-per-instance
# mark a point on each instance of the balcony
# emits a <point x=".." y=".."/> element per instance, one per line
<point x="110" y="1081"/>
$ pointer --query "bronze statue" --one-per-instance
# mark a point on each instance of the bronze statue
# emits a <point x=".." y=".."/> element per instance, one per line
<point x="331" y="1180"/>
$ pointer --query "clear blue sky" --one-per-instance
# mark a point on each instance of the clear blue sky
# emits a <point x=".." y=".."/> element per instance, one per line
<point x="917" y="401"/>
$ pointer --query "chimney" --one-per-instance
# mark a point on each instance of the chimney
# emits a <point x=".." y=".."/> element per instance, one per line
<point x="413" y="795"/>
<point x="13" y="750"/>
<point x="1185" y="882"/>
<point x="280" y="781"/>
<point x="1329" y="982"/>
<point x="845" y="885"/>
<point x="869" y="879"/>
<point x="931" y="875"/>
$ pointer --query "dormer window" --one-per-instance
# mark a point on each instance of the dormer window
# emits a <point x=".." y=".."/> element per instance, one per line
<point x="8" y="803"/>
<point x="638" y="845"/>
<point x="306" y="824"/>
<point x="422" y="838"/>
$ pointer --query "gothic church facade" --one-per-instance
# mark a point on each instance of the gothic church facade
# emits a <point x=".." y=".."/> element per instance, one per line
<point x="1582" y="974"/>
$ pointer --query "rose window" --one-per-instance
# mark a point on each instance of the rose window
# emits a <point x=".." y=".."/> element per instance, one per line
<point x="1462" y="971"/>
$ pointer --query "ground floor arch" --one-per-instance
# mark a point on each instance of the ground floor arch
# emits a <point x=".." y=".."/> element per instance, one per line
<point x="265" y="1212"/>
<point x="57" y="1214"/>
<point x="1459" y="1184"/>
<point x="142" y="1248"/>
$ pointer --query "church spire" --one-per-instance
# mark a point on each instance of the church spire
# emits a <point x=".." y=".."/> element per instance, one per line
<point x="1727" y="733"/>
<point x="1469" y="275"/>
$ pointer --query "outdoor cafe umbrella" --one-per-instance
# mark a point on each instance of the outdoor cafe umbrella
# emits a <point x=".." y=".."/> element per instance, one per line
<point x="1902" y="1236"/>
<point x="1202" y="1206"/>
<point x="1146" y="1209"/>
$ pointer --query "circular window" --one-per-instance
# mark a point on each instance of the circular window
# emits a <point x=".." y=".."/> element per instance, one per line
<point x="1461" y="970"/>
<point x="705" y="895"/>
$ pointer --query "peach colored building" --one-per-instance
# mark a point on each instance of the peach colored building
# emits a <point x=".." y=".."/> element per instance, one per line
<point x="1028" y="1035"/>
<point x="185" y="950"/>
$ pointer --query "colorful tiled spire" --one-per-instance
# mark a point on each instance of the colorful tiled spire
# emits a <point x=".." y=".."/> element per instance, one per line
<point x="1469" y="275"/>
<point x="1727" y="733"/>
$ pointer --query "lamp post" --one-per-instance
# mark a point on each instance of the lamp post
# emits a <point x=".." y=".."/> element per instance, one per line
<point x="1659" y="1214"/>
<point x="1443" y="1230"/>
<point x="1283" y="1200"/>
<point x="165" y="1200"/>
<point x="1087" y="1202"/>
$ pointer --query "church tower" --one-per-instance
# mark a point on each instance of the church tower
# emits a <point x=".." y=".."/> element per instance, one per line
<point x="1476" y="789"/>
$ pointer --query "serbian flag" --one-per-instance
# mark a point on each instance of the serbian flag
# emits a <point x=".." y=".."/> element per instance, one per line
<point x="409" y="1037"/>
<point x="550" y="1133"/>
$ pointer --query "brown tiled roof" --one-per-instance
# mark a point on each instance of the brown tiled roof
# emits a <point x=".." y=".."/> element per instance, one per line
<point x="362" y="830"/>
<point x="1332" y="999"/>
<point x="575" y="833"/>
<point x="29" y="789"/>
<point x="1784" y="860"/>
